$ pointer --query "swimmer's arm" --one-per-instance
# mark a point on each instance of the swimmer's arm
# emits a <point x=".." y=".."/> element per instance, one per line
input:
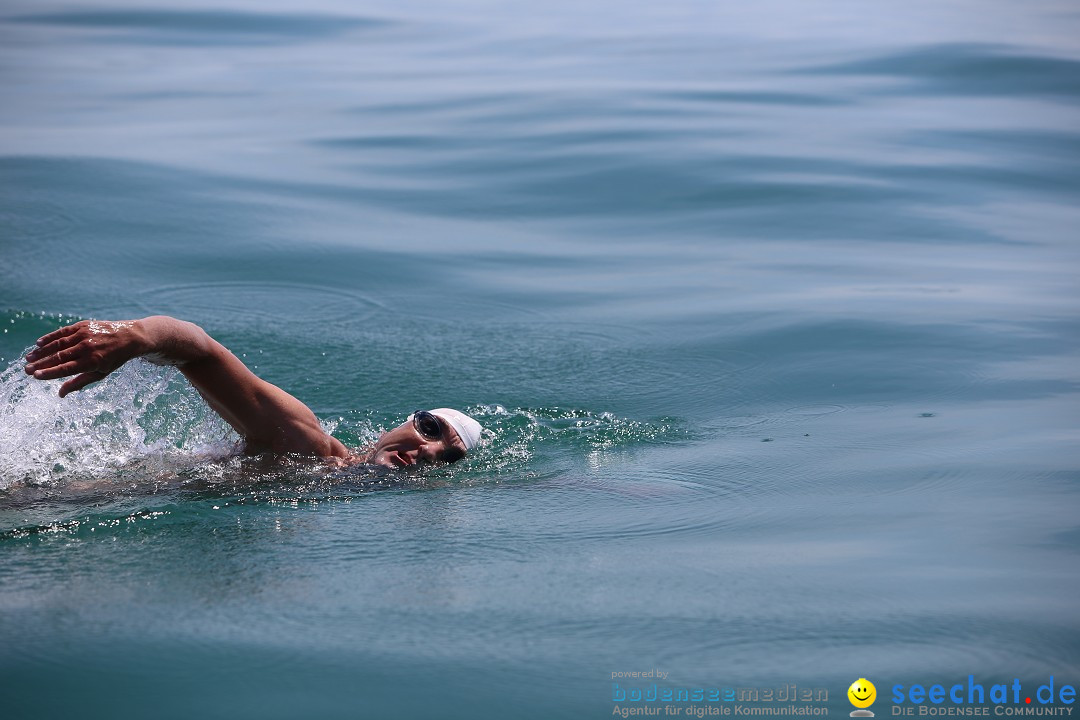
<point x="265" y="415"/>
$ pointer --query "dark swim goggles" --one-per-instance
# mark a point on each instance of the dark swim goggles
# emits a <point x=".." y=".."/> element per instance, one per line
<point x="428" y="425"/>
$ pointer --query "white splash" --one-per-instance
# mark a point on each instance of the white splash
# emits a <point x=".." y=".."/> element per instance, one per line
<point x="139" y="413"/>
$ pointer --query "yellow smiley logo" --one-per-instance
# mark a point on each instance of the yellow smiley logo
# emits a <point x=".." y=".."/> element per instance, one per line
<point x="862" y="693"/>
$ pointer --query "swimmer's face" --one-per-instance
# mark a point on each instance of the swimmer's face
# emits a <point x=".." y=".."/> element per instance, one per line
<point x="862" y="693"/>
<point x="406" y="445"/>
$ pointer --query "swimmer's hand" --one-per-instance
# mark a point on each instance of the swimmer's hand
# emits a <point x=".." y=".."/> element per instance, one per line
<point x="89" y="350"/>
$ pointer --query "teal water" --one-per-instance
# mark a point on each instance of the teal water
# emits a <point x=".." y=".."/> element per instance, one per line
<point x="771" y="311"/>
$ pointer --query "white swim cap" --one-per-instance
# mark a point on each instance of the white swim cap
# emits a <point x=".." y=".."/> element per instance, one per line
<point x="467" y="428"/>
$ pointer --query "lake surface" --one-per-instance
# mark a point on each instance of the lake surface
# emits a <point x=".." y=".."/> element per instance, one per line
<point x="771" y="312"/>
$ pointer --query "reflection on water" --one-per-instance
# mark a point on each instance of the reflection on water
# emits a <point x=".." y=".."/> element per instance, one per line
<point x="770" y="311"/>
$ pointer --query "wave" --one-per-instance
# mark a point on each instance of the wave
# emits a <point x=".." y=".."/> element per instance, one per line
<point x="972" y="69"/>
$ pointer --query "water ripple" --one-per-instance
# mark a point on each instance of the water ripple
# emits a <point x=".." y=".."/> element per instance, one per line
<point x="205" y="27"/>
<point x="756" y="97"/>
<point x="970" y="69"/>
<point x="252" y="303"/>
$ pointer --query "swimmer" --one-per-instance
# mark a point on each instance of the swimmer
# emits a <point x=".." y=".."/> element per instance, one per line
<point x="267" y="418"/>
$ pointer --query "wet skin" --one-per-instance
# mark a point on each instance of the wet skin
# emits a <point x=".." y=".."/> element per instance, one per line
<point x="404" y="446"/>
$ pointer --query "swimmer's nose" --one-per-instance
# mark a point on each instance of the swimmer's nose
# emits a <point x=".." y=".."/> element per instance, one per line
<point x="427" y="454"/>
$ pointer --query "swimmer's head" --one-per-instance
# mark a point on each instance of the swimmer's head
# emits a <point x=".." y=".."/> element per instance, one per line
<point x="427" y="437"/>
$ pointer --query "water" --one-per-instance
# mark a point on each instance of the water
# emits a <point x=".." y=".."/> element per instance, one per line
<point x="771" y="310"/>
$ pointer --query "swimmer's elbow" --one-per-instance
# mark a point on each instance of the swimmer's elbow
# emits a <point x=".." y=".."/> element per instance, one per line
<point x="168" y="340"/>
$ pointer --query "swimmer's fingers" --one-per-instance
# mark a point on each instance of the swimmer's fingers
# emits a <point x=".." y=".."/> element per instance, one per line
<point x="57" y="334"/>
<point x="80" y="362"/>
<point x="80" y="381"/>
<point x="59" y="370"/>
<point x="53" y="347"/>
<point x="67" y="356"/>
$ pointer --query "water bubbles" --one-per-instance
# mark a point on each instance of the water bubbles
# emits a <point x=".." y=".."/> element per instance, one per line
<point x="512" y="437"/>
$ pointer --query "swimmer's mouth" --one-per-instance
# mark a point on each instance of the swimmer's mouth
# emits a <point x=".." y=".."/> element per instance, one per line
<point x="391" y="459"/>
